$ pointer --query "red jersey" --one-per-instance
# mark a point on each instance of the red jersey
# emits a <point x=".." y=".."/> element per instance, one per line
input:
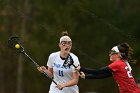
<point x="123" y="76"/>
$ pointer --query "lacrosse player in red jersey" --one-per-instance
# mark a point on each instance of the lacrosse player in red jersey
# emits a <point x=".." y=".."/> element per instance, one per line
<point x="65" y="76"/>
<point x="120" y="69"/>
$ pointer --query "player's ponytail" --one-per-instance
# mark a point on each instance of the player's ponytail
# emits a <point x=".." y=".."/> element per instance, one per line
<point x="126" y="52"/>
<point x="65" y="33"/>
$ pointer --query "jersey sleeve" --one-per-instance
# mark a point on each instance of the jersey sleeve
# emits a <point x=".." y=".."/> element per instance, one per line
<point x="50" y="61"/>
<point x="114" y="66"/>
<point x="100" y="73"/>
<point x="76" y="62"/>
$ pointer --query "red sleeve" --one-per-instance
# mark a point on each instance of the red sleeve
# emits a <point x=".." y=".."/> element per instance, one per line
<point x="114" y="66"/>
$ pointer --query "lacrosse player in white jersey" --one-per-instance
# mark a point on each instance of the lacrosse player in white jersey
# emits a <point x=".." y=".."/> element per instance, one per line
<point x="65" y="76"/>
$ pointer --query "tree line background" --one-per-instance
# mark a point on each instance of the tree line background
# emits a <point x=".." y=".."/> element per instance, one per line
<point x="95" y="26"/>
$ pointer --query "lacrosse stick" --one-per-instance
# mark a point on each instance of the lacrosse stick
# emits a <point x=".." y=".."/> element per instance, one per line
<point x="13" y="43"/>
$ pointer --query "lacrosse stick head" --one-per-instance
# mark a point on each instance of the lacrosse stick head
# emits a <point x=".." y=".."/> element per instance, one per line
<point x="12" y="42"/>
<point x="68" y="61"/>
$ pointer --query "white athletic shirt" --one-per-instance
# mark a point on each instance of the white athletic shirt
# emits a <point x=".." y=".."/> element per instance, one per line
<point x="62" y="74"/>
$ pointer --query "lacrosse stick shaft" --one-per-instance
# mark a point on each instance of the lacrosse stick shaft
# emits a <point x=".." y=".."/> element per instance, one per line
<point x="31" y="59"/>
<point x="74" y="65"/>
<point x="45" y="73"/>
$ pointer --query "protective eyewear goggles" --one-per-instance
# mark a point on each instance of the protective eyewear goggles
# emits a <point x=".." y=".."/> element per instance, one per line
<point x="64" y="43"/>
<point x="112" y="52"/>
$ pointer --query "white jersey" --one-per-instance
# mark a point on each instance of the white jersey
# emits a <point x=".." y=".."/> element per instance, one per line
<point x="62" y="74"/>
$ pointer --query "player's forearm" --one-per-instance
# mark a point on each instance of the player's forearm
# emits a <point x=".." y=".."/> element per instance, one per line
<point x="50" y="74"/>
<point x="98" y="76"/>
<point x="67" y="84"/>
<point x="48" y="71"/>
<point x="102" y="70"/>
<point x="71" y="83"/>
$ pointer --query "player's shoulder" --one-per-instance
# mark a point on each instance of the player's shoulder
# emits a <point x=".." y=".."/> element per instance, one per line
<point x="54" y="54"/>
<point x="119" y="63"/>
<point x="73" y="55"/>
